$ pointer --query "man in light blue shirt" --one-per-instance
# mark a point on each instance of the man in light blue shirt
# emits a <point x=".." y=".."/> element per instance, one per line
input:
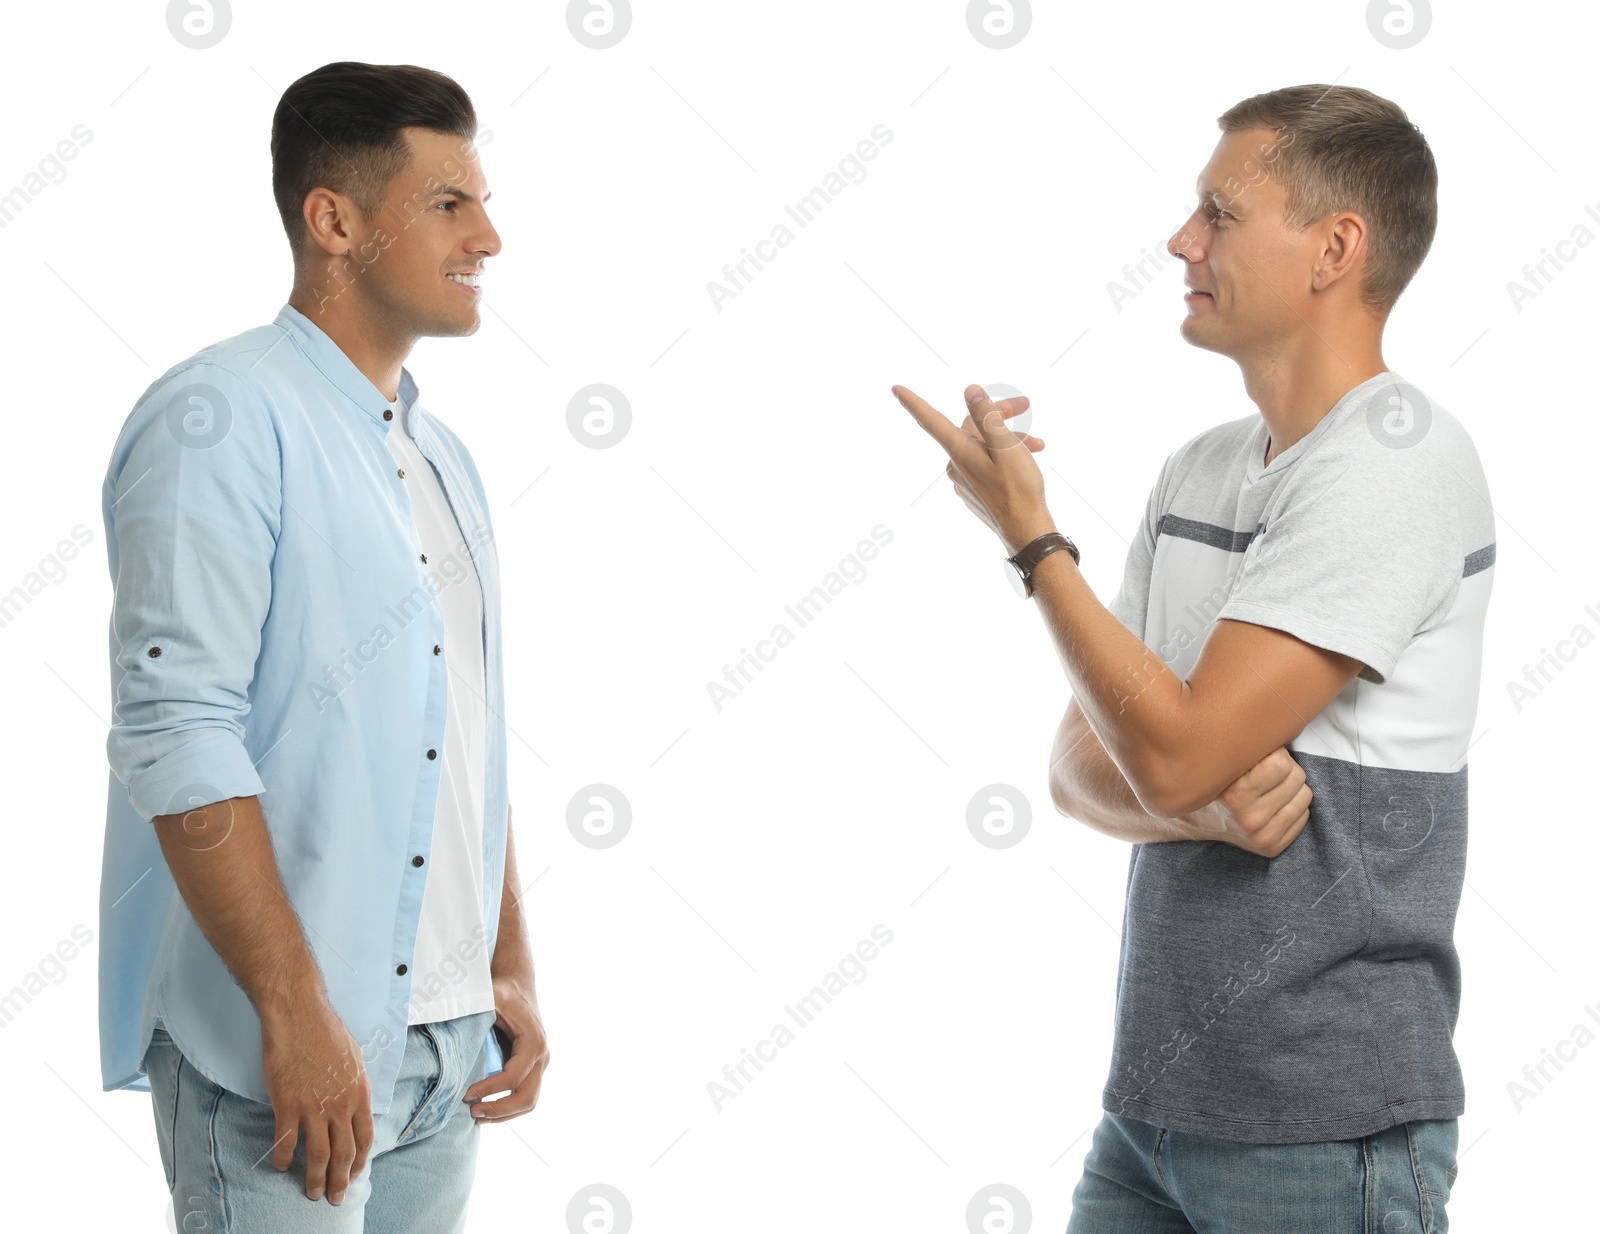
<point x="295" y="678"/>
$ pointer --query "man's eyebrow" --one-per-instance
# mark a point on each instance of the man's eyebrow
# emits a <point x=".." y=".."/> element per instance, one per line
<point x="460" y="194"/>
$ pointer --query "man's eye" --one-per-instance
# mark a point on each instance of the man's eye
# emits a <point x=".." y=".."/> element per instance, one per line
<point x="450" y="203"/>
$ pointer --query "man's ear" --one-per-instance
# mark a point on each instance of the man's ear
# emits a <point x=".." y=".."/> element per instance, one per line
<point x="328" y="217"/>
<point x="1344" y="250"/>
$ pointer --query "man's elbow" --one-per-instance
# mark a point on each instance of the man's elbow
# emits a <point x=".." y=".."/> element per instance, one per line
<point x="1064" y="791"/>
<point x="1146" y="791"/>
<point x="1166" y="789"/>
<point x="1060" y="799"/>
<point x="1173" y="806"/>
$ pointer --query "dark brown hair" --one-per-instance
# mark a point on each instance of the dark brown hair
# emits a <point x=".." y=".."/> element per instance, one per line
<point x="1344" y="148"/>
<point x="338" y="128"/>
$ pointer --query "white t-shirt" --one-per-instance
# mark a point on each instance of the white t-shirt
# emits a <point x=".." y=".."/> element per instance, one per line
<point x="450" y="964"/>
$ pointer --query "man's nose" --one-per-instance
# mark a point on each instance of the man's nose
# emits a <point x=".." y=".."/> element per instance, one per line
<point x="1185" y="241"/>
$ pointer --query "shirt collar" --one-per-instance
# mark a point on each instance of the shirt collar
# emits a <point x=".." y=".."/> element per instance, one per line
<point x="339" y="369"/>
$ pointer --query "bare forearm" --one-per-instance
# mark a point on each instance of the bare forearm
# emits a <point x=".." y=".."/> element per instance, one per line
<point x="222" y="862"/>
<point x="1087" y="785"/>
<point x="1125" y="691"/>
<point x="512" y="955"/>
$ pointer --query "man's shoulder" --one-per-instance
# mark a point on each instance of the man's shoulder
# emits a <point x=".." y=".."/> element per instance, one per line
<point x="214" y="395"/>
<point x="238" y="358"/>
<point x="1395" y="468"/>
<point x="1397" y="433"/>
<point x="221" y="382"/>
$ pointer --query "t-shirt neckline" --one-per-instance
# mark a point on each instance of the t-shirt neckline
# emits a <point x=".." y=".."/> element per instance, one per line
<point x="1255" y="470"/>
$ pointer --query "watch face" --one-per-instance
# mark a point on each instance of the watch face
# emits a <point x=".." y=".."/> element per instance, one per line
<point x="1014" y="576"/>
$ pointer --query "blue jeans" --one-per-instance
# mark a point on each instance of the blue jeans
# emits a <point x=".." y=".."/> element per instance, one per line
<point x="216" y="1146"/>
<point x="1142" y="1179"/>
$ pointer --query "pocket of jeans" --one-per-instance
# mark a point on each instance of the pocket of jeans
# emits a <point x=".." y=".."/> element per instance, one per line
<point x="1433" y="1149"/>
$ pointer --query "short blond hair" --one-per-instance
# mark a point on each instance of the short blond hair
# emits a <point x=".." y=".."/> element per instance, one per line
<point x="1344" y="148"/>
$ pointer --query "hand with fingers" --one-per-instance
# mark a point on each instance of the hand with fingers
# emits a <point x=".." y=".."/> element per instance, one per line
<point x="517" y="1013"/>
<point x="1264" y="810"/>
<point x="317" y="1082"/>
<point x="992" y="467"/>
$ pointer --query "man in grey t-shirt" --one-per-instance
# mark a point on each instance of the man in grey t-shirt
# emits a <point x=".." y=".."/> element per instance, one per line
<point x="1276" y="707"/>
<point x="1313" y="997"/>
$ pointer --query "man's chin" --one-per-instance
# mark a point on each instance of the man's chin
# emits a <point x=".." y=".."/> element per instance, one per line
<point x="1196" y="335"/>
<point x="452" y="325"/>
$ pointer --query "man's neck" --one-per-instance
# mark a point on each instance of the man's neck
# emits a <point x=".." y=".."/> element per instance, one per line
<point x="1293" y="394"/>
<point x="377" y="353"/>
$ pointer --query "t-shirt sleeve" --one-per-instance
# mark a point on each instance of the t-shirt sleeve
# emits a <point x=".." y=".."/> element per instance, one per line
<point x="1362" y="551"/>
<point x="1131" y="604"/>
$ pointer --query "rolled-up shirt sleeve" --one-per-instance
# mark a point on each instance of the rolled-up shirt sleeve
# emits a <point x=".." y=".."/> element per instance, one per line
<point x="193" y="510"/>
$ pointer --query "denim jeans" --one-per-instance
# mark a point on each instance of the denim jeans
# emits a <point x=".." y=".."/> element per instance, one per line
<point x="1142" y="1179"/>
<point x="216" y="1146"/>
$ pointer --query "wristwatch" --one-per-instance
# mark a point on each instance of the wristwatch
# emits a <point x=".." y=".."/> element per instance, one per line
<point x="1031" y="554"/>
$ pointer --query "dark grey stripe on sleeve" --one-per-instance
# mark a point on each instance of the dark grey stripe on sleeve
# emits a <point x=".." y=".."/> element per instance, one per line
<point x="1480" y="560"/>
<point x="1208" y="533"/>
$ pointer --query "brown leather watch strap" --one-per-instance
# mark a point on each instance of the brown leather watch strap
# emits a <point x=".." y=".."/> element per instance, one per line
<point x="1036" y="550"/>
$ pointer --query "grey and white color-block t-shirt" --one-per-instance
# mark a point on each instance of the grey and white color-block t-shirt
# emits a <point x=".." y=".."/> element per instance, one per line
<point x="1314" y="995"/>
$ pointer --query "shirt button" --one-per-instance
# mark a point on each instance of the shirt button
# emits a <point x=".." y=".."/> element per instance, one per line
<point x="436" y="649"/>
<point x="155" y="653"/>
<point x="401" y="971"/>
<point x="433" y="754"/>
<point x="424" y="557"/>
<point x="401" y="472"/>
<point x="417" y="860"/>
<point x="388" y="415"/>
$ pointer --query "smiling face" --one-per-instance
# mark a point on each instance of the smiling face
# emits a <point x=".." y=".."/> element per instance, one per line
<point x="1251" y="273"/>
<point x="411" y="264"/>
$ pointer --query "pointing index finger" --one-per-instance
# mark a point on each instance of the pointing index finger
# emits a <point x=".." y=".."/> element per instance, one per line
<point x="956" y="443"/>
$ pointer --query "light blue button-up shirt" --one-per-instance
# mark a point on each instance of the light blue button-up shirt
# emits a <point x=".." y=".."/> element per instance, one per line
<point x="276" y="632"/>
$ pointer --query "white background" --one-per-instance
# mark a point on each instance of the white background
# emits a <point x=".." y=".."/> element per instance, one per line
<point x="768" y="838"/>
